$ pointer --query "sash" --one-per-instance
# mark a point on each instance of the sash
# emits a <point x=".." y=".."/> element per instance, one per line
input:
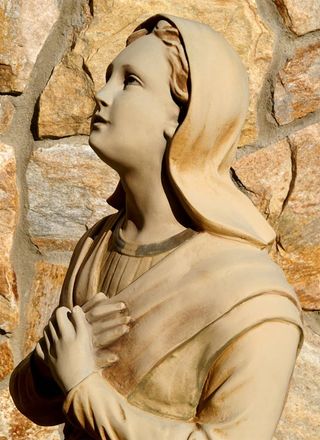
<point x="197" y="284"/>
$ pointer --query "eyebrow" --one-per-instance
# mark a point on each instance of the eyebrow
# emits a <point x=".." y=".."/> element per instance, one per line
<point x="125" y="67"/>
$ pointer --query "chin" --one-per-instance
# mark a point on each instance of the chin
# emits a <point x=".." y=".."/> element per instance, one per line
<point x="94" y="144"/>
<point x="100" y="151"/>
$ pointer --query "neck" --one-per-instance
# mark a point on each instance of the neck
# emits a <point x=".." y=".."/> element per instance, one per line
<point x="148" y="217"/>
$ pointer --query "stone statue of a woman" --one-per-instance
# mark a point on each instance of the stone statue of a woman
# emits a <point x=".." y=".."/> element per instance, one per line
<point x="173" y="321"/>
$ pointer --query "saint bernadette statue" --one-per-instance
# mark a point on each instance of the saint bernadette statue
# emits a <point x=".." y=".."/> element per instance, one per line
<point x="214" y="328"/>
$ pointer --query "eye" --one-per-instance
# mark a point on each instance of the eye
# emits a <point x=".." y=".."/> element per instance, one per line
<point x="109" y="72"/>
<point x="130" y="79"/>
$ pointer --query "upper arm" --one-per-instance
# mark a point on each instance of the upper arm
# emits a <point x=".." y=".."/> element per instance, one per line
<point x="247" y="386"/>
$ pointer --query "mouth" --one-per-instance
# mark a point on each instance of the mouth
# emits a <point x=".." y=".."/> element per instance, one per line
<point x="98" y="119"/>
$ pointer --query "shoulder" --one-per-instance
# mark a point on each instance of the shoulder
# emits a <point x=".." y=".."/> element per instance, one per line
<point x="248" y="382"/>
<point x="104" y="224"/>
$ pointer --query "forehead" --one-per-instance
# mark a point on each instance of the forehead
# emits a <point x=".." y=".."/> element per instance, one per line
<point x="144" y="53"/>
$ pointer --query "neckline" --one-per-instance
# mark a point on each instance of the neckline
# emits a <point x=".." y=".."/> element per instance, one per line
<point x="142" y="250"/>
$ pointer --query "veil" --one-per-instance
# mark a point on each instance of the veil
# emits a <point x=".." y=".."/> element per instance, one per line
<point x="201" y="152"/>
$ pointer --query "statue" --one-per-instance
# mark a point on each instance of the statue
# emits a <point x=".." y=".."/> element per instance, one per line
<point x="173" y="322"/>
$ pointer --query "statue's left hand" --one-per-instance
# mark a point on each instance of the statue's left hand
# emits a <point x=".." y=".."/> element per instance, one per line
<point x="67" y="348"/>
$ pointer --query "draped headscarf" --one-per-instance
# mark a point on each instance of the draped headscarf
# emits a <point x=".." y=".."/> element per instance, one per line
<point x="200" y="155"/>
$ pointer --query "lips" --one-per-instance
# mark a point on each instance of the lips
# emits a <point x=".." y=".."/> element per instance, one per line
<point x="99" y="119"/>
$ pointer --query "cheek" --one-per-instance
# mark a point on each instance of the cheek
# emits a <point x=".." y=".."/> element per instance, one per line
<point x="137" y="111"/>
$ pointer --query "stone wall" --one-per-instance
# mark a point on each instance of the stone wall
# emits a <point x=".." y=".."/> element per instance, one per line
<point x="53" y="55"/>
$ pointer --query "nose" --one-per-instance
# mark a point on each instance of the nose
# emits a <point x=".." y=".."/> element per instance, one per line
<point x="103" y="97"/>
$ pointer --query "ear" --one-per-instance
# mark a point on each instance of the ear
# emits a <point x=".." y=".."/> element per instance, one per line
<point x="170" y="129"/>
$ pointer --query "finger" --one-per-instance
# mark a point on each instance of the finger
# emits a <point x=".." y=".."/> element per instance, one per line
<point x="79" y="320"/>
<point x="53" y="332"/>
<point x="94" y="300"/>
<point x="105" y="356"/>
<point x="48" y="335"/>
<point x="104" y="339"/>
<point x="43" y="346"/>
<point x="39" y="351"/>
<point x="64" y="326"/>
<point x="53" y="320"/>
<point x="104" y="325"/>
<point x="61" y="315"/>
<point x="47" y="341"/>
<point x="103" y="310"/>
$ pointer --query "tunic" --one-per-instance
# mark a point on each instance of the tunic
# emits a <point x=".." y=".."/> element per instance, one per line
<point x="196" y="391"/>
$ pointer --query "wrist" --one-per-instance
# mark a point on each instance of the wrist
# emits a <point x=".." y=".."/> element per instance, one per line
<point x="78" y="380"/>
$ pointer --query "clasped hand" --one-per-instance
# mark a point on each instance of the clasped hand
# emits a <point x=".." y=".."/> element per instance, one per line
<point x="73" y="338"/>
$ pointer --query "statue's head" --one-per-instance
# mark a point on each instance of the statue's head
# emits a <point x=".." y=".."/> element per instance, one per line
<point x="143" y="101"/>
<point x="178" y="94"/>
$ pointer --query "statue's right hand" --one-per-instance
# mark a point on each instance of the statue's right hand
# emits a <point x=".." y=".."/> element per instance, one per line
<point x="109" y="321"/>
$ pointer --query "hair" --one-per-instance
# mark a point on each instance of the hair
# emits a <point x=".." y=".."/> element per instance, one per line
<point x="179" y="78"/>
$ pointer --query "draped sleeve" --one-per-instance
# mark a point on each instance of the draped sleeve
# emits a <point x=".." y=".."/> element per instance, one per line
<point x="247" y="386"/>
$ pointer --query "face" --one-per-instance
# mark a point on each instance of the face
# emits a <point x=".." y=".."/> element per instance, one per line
<point x="136" y="114"/>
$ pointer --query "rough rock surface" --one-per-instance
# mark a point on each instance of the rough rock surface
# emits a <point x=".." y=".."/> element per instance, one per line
<point x="283" y="182"/>
<point x="14" y="426"/>
<point x="6" y="113"/>
<point x="24" y="29"/>
<point x="299" y="228"/>
<point x="297" y="88"/>
<point x="301" y="16"/>
<point x="6" y="359"/>
<point x="301" y="417"/>
<point x="44" y="298"/>
<point x="8" y="218"/>
<point x="73" y="87"/>
<point x="266" y="175"/>
<point x="112" y="22"/>
<point x="68" y="187"/>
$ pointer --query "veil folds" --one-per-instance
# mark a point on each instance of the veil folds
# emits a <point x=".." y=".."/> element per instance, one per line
<point x="201" y="152"/>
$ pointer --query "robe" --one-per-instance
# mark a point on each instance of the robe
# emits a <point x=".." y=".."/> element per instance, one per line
<point x="216" y="333"/>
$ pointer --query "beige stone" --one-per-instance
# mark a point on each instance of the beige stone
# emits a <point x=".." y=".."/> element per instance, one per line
<point x="105" y="37"/>
<point x="8" y="214"/>
<point x="67" y="102"/>
<point x="24" y="29"/>
<point x="299" y="227"/>
<point x="301" y="416"/>
<point x="68" y="186"/>
<point x="301" y="16"/>
<point x="297" y="88"/>
<point x="15" y="426"/>
<point x="44" y="298"/>
<point x="266" y="174"/>
<point x="6" y="359"/>
<point x="6" y="113"/>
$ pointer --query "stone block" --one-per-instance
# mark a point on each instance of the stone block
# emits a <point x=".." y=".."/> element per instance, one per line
<point x="24" y="28"/>
<point x="6" y="113"/>
<point x="297" y="87"/>
<point x="68" y="186"/>
<point x="301" y="16"/>
<point x="8" y="216"/>
<point x="266" y="175"/>
<point x="15" y="426"/>
<point x="300" y="419"/>
<point x="299" y="226"/>
<point x="6" y="359"/>
<point x="44" y="298"/>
